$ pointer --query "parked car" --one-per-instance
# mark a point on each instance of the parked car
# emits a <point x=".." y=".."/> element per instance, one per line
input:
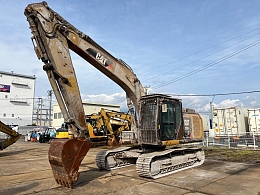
<point x="47" y="135"/>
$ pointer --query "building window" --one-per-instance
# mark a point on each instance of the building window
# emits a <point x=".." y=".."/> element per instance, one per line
<point x="19" y="102"/>
<point x="55" y="115"/>
<point x="4" y="115"/>
<point x="59" y="115"/>
<point x="6" y="96"/>
<point x="12" y="115"/>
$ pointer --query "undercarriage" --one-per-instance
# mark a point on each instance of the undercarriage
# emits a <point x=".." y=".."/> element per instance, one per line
<point x="152" y="164"/>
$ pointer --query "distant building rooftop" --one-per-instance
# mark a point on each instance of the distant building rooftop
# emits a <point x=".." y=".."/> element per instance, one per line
<point x="94" y="103"/>
<point x="18" y="75"/>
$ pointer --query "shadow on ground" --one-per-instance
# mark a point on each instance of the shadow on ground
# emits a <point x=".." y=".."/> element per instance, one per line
<point x="14" y="152"/>
<point x="89" y="175"/>
<point x="19" y="189"/>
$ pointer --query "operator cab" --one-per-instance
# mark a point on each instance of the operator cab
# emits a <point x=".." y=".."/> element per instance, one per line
<point x="161" y="119"/>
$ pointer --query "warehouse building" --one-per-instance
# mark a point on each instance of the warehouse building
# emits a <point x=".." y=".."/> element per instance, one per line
<point x="17" y="98"/>
<point x="89" y="108"/>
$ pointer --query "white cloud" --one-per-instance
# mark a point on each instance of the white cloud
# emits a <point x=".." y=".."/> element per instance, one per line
<point x="116" y="98"/>
<point x="199" y="104"/>
<point x="16" y="58"/>
<point x="229" y="103"/>
<point x="255" y="104"/>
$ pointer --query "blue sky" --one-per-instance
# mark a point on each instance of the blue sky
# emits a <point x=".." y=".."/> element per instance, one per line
<point x="163" y="41"/>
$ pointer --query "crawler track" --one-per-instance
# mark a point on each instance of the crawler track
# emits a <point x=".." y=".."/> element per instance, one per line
<point x="159" y="164"/>
<point x="113" y="159"/>
<point x="151" y="165"/>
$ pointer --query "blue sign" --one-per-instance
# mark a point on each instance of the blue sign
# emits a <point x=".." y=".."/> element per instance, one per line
<point x="5" y="88"/>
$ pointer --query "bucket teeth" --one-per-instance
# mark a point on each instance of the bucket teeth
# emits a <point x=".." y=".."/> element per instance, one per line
<point x="65" y="157"/>
<point x="63" y="183"/>
<point x="63" y="180"/>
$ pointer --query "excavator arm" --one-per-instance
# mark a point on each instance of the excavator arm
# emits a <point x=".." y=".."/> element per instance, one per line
<point x="13" y="136"/>
<point x="52" y="48"/>
<point x="53" y="38"/>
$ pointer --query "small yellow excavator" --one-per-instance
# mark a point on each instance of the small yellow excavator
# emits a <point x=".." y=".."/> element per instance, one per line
<point x="107" y="126"/>
<point x="104" y="127"/>
<point x="12" y="136"/>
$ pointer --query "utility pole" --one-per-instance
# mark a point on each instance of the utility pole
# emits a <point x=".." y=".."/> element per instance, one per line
<point x="50" y="95"/>
<point x="41" y="115"/>
<point x="37" y="119"/>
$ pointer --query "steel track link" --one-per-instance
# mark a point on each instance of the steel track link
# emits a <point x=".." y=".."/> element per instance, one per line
<point x="102" y="158"/>
<point x="143" y="164"/>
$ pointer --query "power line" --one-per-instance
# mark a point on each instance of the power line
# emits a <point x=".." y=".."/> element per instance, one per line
<point x="101" y="86"/>
<point x="198" y="51"/>
<point x="219" y="94"/>
<point x="200" y="58"/>
<point x="208" y="65"/>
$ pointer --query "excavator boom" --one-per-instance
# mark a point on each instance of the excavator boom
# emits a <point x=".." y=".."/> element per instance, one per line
<point x="13" y="136"/>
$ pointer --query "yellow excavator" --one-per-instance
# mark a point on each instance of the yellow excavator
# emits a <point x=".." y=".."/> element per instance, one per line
<point x="104" y="127"/>
<point x="12" y="136"/>
<point x="107" y="126"/>
<point x="157" y="120"/>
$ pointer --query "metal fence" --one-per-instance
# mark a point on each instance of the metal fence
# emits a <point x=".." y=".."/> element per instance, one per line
<point x="247" y="140"/>
<point x="26" y="129"/>
<point x="23" y="130"/>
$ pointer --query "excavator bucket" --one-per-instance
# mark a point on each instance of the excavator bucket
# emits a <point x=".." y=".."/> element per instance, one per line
<point x="65" y="157"/>
<point x="112" y="142"/>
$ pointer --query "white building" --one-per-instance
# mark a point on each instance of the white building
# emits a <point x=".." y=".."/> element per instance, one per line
<point x="89" y="108"/>
<point x="17" y="98"/>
